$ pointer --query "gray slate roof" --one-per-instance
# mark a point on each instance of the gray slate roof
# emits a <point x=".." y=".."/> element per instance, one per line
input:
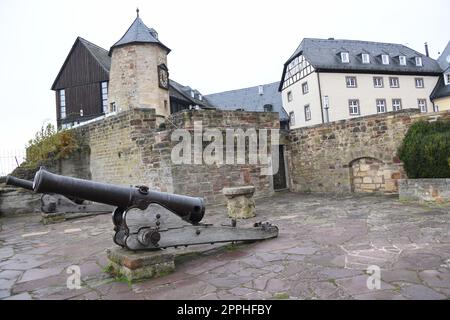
<point x="100" y="54"/>
<point x="249" y="99"/>
<point x="325" y="54"/>
<point x="442" y="60"/>
<point x="178" y="91"/>
<point x="138" y="32"/>
<point x="441" y="90"/>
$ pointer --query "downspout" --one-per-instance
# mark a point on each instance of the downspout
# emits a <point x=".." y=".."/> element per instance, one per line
<point x="320" y="96"/>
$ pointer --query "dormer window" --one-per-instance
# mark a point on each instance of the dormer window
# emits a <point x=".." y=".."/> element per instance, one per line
<point x="447" y="79"/>
<point x="402" y="60"/>
<point x="192" y="94"/>
<point x="418" y="61"/>
<point x="385" y="59"/>
<point x="200" y="97"/>
<point x="365" y="58"/>
<point x="345" y="58"/>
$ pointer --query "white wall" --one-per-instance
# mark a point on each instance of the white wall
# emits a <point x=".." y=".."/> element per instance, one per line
<point x="299" y="101"/>
<point x="334" y="86"/>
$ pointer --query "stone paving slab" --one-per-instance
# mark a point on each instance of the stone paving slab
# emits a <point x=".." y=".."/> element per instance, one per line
<point x="325" y="245"/>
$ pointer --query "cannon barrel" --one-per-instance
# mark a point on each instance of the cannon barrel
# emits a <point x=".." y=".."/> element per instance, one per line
<point x="13" y="181"/>
<point x="191" y="209"/>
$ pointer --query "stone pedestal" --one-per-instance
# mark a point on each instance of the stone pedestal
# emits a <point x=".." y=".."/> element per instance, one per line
<point x="240" y="202"/>
<point x="137" y="265"/>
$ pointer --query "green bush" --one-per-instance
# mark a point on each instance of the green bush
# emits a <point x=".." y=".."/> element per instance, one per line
<point x="45" y="149"/>
<point x="425" y="150"/>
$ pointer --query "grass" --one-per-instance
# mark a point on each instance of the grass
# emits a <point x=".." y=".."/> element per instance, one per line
<point x="281" y="296"/>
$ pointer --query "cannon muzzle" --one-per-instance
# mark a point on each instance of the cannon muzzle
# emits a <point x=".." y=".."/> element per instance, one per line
<point x="190" y="209"/>
<point x="13" y="181"/>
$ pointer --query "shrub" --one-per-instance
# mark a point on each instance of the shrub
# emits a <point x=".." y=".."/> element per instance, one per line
<point x="425" y="150"/>
<point x="45" y="149"/>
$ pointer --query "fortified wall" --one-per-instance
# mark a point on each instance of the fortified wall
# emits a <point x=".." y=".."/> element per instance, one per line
<point x="356" y="155"/>
<point x="130" y="149"/>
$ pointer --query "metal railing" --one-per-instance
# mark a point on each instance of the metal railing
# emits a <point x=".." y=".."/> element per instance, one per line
<point x="10" y="159"/>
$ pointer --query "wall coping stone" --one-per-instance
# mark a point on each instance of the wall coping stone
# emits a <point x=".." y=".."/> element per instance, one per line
<point x="238" y="191"/>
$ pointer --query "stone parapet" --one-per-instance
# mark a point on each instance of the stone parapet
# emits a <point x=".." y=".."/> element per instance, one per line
<point x="425" y="190"/>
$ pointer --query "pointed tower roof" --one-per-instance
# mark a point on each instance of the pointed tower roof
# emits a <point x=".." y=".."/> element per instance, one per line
<point x="138" y="32"/>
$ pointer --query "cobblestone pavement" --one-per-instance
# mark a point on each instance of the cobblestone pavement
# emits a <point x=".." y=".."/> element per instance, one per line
<point x="324" y="248"/>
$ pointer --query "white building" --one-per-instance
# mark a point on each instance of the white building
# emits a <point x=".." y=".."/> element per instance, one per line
<point x="329" y="80"/>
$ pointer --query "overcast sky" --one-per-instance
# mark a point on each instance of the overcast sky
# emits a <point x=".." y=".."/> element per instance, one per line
<point x="216" y="45"/>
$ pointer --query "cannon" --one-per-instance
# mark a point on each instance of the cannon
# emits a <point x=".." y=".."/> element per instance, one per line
<point x="150" y="220"/>
<point x="59" y="204"/>
<point x="25" y="184"/>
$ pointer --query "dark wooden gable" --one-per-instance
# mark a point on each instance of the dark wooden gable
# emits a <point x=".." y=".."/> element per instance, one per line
<point x="80" y="68"/>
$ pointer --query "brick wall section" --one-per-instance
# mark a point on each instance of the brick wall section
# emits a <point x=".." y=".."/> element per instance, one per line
<point x="209" y="180"/>
<point x="428" y="190"/>
<point x="124" y="150"/>
<point x="128" y="149"/>
<point x="320" y="157"/>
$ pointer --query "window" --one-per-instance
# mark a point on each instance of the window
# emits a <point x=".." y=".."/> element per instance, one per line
<point x="307" y="113"/>
<point x="378" y="82"/>
<point x="419" y="82"/>
<point x="396" y="104"/>
<point x="436" y="108"/>
<point x="112" y="107"/>
<point x="105" y="96"/>
<point x="422" y="105"/>
<point x="353" y="106"/>
<point x="385" y="59"/>
<point x="393" y="82"/>
<point x="351" y="82"/>
<point x="402" y="60"/>
<point x="200" y="97"/>
<point x="345" y="58"/>
<point x="305" y="88"/>
<point x="447" y="79"/>
<point x="381" y="105"/>
<point x="418" y="61"/>
<point x="365" y="58"/>
<point x="268" y="108"/>
<point x="291" y="118"/>
<point x="289" y="96"/>
<point x="62" y="103"/>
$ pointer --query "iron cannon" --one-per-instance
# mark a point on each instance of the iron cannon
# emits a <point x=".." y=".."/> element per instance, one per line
<point x="52" y="203"/>
<point x="145" y="219"/>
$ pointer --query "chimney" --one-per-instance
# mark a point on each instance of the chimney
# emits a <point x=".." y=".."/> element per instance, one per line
<point x="427" y="53"/>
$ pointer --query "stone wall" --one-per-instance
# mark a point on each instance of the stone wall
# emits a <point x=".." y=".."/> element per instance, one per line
<point x="324" y="158"/>
<point x="129" y="149"/>
<point x="18" y="201"/>
<point x="209" y="180"/>
<point x="428" y="190"/>
<point x="372" y="175"/>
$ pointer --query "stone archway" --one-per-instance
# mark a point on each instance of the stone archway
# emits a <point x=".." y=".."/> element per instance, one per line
<point x="370" y="175"/>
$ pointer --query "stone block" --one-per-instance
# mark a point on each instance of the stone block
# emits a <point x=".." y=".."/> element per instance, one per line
<point x="367" y="180"/>
<point x="138" y="265"/>
<point x="240" y="202"/>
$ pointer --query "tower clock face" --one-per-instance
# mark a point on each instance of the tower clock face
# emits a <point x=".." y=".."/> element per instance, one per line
<point x="163" y="77"/>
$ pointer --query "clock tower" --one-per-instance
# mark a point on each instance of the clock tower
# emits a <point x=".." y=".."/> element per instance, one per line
<point x="139" y="77"/>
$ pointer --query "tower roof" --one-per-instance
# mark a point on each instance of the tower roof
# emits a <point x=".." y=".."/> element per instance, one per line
<point x="138" y="32"/>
